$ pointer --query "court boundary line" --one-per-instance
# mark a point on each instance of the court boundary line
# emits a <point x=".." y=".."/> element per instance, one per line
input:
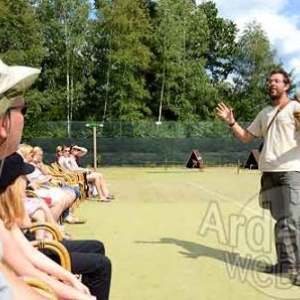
<point x="222" y="197"/>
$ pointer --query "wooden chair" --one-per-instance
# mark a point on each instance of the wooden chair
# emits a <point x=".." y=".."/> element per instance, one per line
<point x="56" y="247"/>
<point x="57" y="235"/>
<point x="52" y="245"/>
<point x="35" y="283"/>
<point x="40" y="287"/>
<point x="78" y="178"/>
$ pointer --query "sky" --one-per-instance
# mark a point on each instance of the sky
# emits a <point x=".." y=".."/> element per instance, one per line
<point x="280" y="19"/>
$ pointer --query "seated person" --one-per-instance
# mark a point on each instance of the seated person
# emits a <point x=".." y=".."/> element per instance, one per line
<point x="61" y="197"/>
<point x="42" y="171"/>
<point x="68" y="162"/>
<point x="58" y="153"/>
<point x="38" y="211"/>
<point x="87" y="257"/>
<point x="31" y="262"/>
<point x="14" y="81"/>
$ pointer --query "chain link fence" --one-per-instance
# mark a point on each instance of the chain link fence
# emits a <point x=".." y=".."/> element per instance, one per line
<point x="144" y="143"/>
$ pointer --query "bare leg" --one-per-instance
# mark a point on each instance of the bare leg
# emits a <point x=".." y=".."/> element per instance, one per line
<point x="63" y="201"/>
<point x="95" y="180"/>
<point x="39" y="216"/>
<point x="103" y="184"/>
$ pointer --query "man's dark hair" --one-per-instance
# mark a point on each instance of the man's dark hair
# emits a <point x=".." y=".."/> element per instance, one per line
<point x="285" y="75"/>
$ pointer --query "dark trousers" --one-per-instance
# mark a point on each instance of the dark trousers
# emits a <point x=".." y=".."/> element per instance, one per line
<point x="88" y="259"/>
<point x="282" y="191"/>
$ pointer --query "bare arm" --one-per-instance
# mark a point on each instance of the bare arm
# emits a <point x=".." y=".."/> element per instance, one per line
<point x="20" y="289"/>
<point x="44" y="263"/>
<point x="81" y="151"/>
<point x="43" y="168"/>
<point x="14" y="257"/>
<point x="226" y="114"/>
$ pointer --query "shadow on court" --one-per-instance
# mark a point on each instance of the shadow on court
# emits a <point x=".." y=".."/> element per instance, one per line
<point x="193" y="250"/>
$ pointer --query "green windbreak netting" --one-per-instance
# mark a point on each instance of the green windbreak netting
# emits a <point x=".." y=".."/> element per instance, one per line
<point x="142" y="143"/>
<point x="151" y="151"/>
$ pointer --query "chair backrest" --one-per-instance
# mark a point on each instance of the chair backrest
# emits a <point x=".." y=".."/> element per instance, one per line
<point x="40" y="287"/>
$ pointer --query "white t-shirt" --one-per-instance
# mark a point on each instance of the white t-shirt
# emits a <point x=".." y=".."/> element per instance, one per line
<point x="281" y="150"/>
<point x="65" y="163"/>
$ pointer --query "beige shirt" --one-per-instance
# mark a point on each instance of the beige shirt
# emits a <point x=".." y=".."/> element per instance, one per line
<point x="281" y="151"/>
<point x="65" y="163"/>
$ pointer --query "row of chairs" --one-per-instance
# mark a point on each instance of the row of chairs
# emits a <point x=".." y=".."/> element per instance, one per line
<point x="78" y="179"/>
<point x="51" y="245"/>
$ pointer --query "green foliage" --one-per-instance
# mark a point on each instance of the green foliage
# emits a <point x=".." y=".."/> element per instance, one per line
<point x="124" y="30"/>
<point x="222" y="47"/>
<point x="181" y="41"/>
<point x="134" y="61"/>
<point x="254" y="61"/>
<point x="140" y="129"/>
<point x="20" y="35"/>
<point x="65" y="26"/>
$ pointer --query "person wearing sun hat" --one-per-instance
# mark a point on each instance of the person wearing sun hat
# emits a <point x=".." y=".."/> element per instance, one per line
<point x="88" y="257"/>
<point x="14" y="217"/>
<point x="14" y="82"/>
<point x="13" y="167"/>
<point x="12" y="191"/>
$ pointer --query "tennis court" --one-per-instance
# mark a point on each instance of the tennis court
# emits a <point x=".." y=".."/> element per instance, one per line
<point x="181" y="234"/>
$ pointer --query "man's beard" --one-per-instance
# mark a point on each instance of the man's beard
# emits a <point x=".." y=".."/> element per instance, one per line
<point x="274" y="97"/>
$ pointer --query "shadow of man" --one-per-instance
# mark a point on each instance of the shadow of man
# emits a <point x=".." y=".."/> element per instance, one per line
<point x="195" y="250"/>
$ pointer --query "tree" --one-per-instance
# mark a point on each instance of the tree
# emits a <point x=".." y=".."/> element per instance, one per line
<point x="65" y="27"/>
<point x="21" y="41"/>
<point x="253" y="63"/>
<point x="181" y="82"/>
<point x="122" y="58"/>
<point x="222" y="46"/>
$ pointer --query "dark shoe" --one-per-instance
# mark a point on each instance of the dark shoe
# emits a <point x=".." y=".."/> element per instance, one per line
<point x="296" y="280"/>
<point x="280" y="269"/>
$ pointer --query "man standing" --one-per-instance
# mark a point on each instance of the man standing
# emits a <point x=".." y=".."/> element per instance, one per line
<point x="280" y="163"/>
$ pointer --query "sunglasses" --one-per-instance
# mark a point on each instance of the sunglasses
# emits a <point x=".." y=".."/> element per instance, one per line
<point x="22" y="108"/>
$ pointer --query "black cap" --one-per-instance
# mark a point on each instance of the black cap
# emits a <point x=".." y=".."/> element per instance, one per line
<point x="13" y="167"/>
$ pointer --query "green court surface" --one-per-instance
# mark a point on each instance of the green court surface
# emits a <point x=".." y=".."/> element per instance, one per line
<point x="181" y="234"/>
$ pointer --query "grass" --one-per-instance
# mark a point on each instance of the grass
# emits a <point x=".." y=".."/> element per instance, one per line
<point x="182" y="234"/>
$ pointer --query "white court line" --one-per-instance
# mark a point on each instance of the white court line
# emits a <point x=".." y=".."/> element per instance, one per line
<point x="222" y="197"/>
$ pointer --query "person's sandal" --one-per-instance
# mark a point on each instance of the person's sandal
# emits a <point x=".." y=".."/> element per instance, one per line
<point x="73" y="220"/>
<point x="103" y="200"/>
<point x="67" y="236"/>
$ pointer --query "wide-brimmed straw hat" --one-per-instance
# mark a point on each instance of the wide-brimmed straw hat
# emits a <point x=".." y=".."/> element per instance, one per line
<point x="14" y="82"/>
